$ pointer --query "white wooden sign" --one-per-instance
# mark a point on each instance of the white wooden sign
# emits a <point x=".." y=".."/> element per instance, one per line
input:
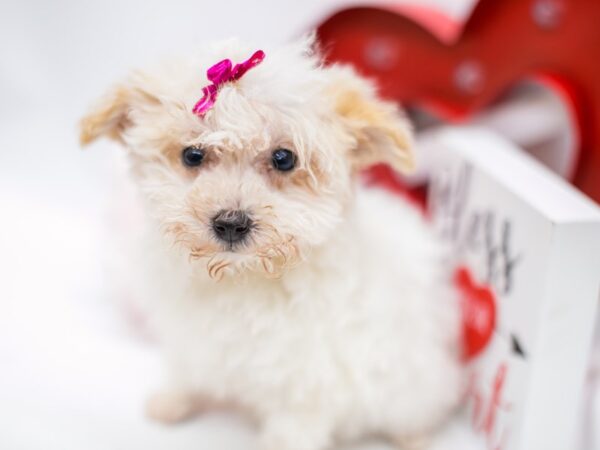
<point x="531" y="244"/>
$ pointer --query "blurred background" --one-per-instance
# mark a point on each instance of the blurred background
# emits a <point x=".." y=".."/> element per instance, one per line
<point x="72" y="374"/>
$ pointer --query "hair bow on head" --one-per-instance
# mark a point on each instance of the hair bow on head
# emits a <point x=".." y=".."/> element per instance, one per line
<point x="221" y="73"/>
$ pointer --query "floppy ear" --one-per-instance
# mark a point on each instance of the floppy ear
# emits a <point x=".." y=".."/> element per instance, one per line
<point x="110" y="115"/>
<point x="381" y="132"/>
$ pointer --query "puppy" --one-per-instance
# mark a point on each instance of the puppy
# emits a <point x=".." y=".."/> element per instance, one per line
<point x="274" y="281"/>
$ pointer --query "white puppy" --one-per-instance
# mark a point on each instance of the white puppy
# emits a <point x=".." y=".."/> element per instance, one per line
<point x="275" y="282"/>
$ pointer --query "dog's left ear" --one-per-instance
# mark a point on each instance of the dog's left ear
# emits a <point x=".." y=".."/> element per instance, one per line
<point x="380" y="131"/>
<point x="111" y="115"/>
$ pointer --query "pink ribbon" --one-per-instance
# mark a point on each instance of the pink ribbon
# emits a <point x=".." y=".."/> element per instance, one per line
<point x="221" y="73"/>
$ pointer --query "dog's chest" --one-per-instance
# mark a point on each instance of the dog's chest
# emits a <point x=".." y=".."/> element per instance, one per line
<point x="248" y="337"/>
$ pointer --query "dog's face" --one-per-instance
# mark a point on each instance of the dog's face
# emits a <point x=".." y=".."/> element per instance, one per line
<point x="265" y="174"/>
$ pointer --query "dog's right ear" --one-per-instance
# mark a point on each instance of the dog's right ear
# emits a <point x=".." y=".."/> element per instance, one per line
<point x="110" y="116"/>
<point x="381" y="132"/>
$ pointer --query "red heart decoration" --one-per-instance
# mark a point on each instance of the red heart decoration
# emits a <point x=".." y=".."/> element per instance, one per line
<point x="420" y="57"/>
<point x="478" y="307"/>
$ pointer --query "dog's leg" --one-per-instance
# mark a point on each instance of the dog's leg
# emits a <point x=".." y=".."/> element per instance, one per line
<point x="416" y="442"/>
<point x="295" y="432"/>
<point x="172" y="406"/>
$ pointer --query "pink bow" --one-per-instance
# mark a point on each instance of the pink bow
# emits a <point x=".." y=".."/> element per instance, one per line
<point x="221" y="73"/>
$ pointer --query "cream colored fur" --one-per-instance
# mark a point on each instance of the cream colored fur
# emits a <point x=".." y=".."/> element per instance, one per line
<point x="336" y="319"/>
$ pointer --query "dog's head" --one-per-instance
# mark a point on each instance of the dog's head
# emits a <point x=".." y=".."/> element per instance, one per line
<point x="267" y="172"/>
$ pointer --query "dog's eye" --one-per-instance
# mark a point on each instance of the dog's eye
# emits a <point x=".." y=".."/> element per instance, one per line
<point x="192" y="156"/>
<point x="283" y="159"/>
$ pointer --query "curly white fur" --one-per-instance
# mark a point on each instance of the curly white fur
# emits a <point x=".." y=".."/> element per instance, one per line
<point x="336" y="317"/>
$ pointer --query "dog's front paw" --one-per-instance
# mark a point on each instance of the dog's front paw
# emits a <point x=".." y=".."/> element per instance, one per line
<point x="171" y="407"/>
<point x="415" y="442"/>
<point x="294" y="433"/>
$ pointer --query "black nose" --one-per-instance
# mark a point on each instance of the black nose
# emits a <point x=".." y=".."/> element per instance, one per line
<point x="231" y="226"/>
